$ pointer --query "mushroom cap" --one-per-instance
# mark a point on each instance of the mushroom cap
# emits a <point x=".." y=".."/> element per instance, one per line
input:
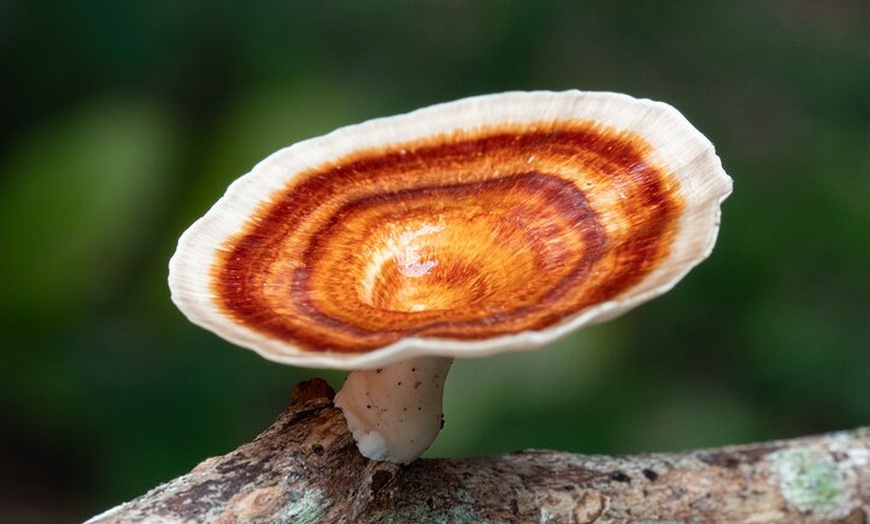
<point x="490" y="224"/>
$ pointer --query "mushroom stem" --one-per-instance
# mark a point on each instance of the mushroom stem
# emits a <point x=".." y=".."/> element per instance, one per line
<point x="394" y="412"/>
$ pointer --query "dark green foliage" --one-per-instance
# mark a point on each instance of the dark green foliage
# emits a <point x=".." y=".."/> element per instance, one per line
<point x="123" y="121"/>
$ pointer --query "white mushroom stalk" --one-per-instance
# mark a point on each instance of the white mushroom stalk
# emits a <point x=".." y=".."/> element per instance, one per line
<point x="487" y="225"/>
<point x="395" y="412"/>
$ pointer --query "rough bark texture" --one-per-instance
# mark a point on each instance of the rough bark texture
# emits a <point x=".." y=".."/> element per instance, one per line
<point x="305" y="469"/>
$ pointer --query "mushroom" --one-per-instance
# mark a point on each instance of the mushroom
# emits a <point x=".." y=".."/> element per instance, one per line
<point x="486" y="225"/>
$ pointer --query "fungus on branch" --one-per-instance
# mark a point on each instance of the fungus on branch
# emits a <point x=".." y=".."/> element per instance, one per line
<point x="490" y="224"/>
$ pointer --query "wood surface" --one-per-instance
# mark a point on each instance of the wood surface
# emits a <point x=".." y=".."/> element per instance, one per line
<point x="305" y="468"/>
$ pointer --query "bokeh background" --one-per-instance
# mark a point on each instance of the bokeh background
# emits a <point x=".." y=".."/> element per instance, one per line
<point x="123" y="121"/>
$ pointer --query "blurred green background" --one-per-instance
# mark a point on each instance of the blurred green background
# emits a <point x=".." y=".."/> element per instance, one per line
<point x="123" y="121"/>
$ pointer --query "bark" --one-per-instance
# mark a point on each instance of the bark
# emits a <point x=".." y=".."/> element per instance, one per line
<point x="305" y="469"/>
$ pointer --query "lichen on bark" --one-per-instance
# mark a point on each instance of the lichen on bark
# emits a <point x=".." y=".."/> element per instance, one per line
<point x="306" y="468"/>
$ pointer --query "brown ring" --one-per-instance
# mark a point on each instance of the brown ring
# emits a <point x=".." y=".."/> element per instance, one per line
<point x="595" y="189"/>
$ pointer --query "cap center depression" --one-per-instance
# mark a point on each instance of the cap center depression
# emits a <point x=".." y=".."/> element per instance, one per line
<point x="466" y="262"/>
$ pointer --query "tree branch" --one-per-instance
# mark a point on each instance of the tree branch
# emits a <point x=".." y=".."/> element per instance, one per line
<point x="305" y="468"/>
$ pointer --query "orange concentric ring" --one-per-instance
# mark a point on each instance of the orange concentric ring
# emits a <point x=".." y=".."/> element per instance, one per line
<point x="467" y="235"/>
<point x="489" y="224"/>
